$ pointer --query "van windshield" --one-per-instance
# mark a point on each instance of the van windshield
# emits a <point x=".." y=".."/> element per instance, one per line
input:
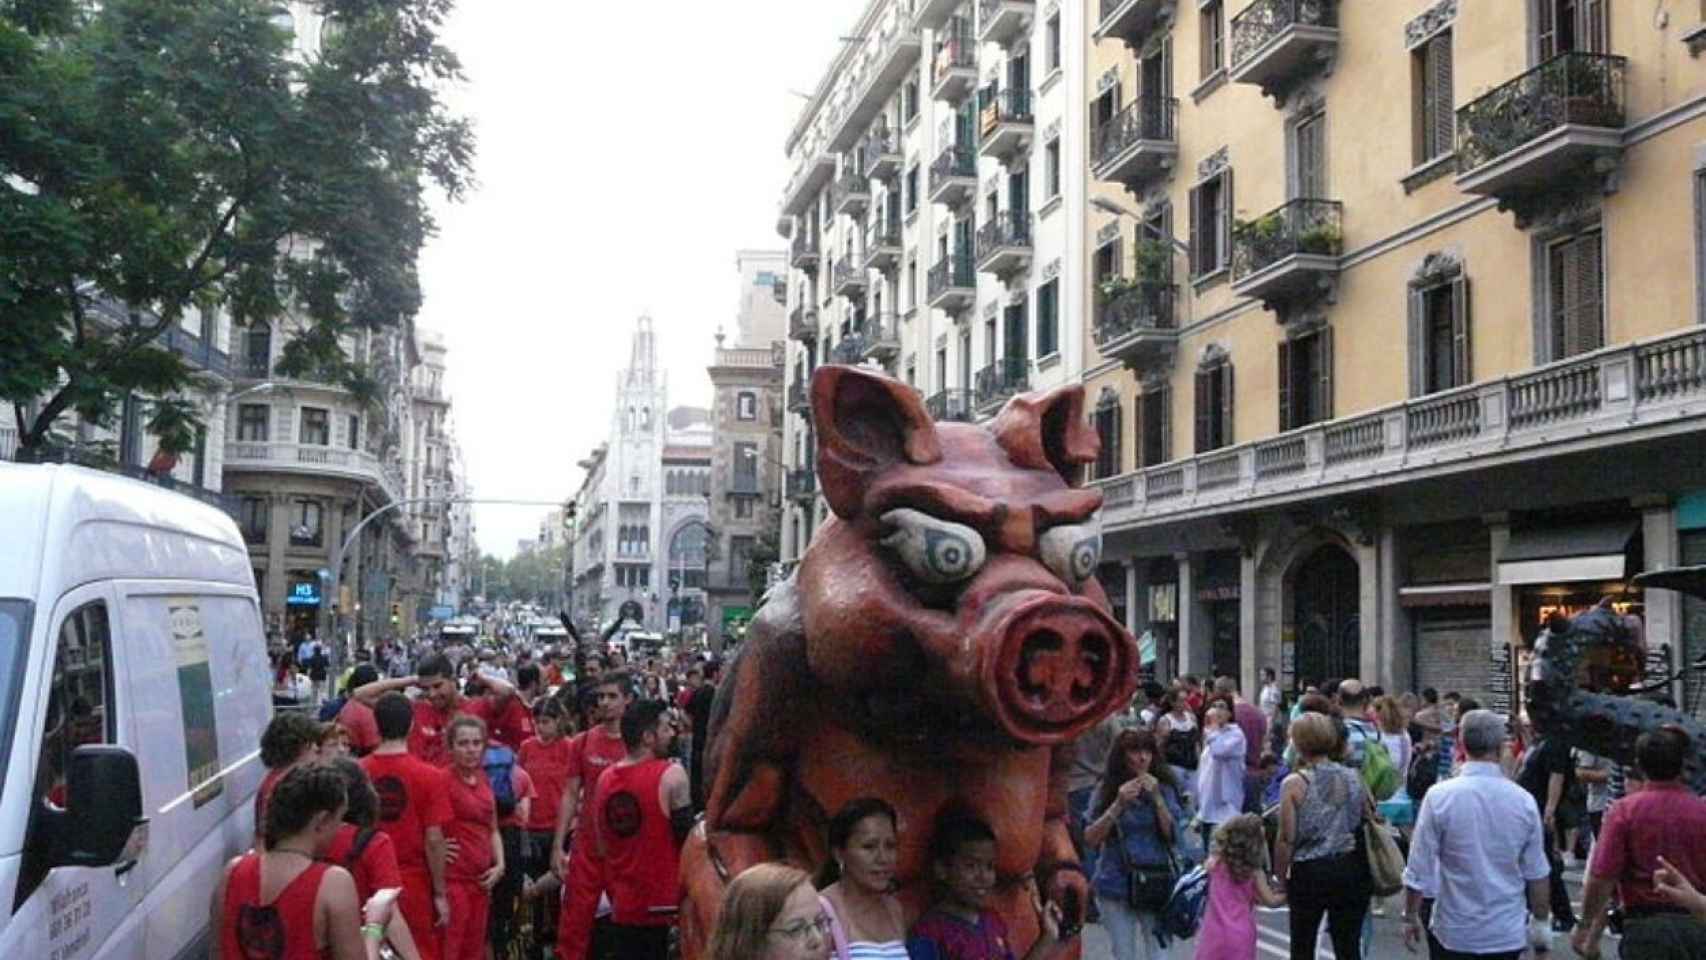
<point x="14" y="650"/>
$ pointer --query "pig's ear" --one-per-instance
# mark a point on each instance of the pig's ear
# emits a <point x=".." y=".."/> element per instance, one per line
<point x="866" y="423"/>
<point x="1047" y="432"/>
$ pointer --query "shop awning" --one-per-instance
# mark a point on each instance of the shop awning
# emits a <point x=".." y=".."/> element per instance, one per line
<point x="1568" y="554"/>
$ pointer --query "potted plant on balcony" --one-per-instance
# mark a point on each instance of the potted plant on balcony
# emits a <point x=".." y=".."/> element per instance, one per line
<point x="1154" y="261"/>
<point x="1589" y="97"/>
<point x="1322" y="238"/>
<point x="1112" y="288"/>
<point x="1255" y="242"/>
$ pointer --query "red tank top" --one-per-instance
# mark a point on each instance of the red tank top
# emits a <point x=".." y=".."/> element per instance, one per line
<point x="642" y="864"/>
<point x="281" y="930"/>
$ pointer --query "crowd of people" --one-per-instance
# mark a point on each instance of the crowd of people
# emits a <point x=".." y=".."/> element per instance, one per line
<point x="515" y="807"/>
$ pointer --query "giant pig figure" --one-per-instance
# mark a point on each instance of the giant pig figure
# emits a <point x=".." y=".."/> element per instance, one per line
<point x="942" y="644"/>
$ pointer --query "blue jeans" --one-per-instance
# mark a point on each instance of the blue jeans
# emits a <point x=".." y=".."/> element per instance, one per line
<point x="1077" y="802"/>
<point x="1129" y="932"/>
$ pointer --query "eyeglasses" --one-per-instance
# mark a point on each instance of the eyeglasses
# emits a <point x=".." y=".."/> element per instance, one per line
<point x="802" y="929"/>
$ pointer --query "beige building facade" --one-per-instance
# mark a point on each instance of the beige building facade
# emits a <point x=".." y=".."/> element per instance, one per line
<point x="1394" y="340"/>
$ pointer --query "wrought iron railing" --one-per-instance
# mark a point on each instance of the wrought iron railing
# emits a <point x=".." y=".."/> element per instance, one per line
<point x="882" y="331"/>
<point x="987" y="9"/>
<point x="1012" y="105"/>
<point x="196" y="350"/>
<point x="1259" y="23"/>
<point x="879" y="144"/>
<point x="852" y="183"/>
<point x="1143" y="306"/>
<point x="1589" y="89"/>
<point x="801" y="483"/>
<point x="956" y="271"/>
<point x="955" y="161"/>
<point x="1009" y="228"/>
<point x="954" y="403"/>
<point x="848" y="273"/>
<point x="850" y="349"/>
<point x="956" y="50"/>
<point x="1148" y="118"/>
<point x="884" y="232"/>
<point x="804" y="245"/>
<point x="1303" y="225"/>
<point x="1001" y="379"/>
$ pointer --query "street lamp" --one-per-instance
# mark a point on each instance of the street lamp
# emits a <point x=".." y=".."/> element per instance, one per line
<point x="1108" y="206"/>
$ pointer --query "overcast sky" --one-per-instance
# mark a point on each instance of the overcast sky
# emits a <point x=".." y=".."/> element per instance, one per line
<point x="627" y="150"/>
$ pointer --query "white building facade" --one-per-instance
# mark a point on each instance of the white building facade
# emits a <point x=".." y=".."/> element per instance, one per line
<point x="936" y="214"/>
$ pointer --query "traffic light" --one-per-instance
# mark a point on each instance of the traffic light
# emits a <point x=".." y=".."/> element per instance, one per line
<point x="396" y="613"/>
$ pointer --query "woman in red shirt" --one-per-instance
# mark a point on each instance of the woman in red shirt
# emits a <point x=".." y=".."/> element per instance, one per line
<point x="286" y="903"/>
<point x="545" y="757"/>
<point x="368" y="853"/>
<point x="476" y="859"/>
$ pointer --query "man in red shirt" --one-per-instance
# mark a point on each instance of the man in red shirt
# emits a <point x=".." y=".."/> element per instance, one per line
<point x="1665" y="819"/>
<point x="590" y="754"/>
<point x="440" y="702"/>
<point x="290" y="740"/>
<point x="414" y="807"/>
<point x="642" y="809"/>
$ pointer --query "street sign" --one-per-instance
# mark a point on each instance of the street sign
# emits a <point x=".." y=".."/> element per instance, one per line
<point x="442" y="613"/>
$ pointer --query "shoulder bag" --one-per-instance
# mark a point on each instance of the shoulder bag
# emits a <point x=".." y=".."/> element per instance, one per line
<point x="1147" y="888"/>
<point x="1385" y="861"/>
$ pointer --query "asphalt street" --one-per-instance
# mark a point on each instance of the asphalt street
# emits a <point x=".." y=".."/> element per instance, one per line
<point x="1273" y="941"/>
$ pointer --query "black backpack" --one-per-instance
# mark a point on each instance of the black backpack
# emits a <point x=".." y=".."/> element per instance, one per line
<point x="1180" y="750"/>
<point x="1423" y="772"/>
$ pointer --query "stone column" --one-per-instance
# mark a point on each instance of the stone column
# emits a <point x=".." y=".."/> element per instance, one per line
<point x="1251" y="657"/>
<point x="1367" y="556"/>
<point x="1662" y="547"/>
<point x="1193" y="649"/>
<point x="278" y="573"/>
<point x="1133" y="616"/>
<point x="1501" y="597"/>
<point x="1395" y="671"/>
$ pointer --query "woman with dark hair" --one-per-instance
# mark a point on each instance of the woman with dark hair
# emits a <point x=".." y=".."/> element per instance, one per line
<point x="367" y="852"/>
<point x="1137" y="807"/>
<point x="1178" y="737"/>
<point x="286" y="901"/>
<point x="857" y="883"/>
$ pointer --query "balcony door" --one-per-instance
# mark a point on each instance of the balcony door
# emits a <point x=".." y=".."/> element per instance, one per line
<point x="1561" y="26"/>
<point x="1309" y="157"/>
<point x="1015" y="338"/>
<point x="963" y="231"/>
<point x="965" y="360"/>
<point x="965" y="125"/>
<point x="1019" y="75"/>
<point x="1155" y="73"/>
<point x="1019" y="196"/>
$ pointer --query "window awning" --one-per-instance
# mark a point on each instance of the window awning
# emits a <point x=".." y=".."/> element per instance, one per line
<point x="1566" y="554"/>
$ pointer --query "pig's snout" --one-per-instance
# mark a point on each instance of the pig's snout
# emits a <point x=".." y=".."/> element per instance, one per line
<point x="1057" y="664"/>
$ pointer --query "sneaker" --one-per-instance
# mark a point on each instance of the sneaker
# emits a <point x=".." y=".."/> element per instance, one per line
<point x="1561" y="925"/>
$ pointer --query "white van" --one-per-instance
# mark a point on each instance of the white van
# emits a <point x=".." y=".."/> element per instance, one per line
<point x="133" y="692"/>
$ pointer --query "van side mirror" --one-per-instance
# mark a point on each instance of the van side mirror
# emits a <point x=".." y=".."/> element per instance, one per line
<point x="103" y="790"/>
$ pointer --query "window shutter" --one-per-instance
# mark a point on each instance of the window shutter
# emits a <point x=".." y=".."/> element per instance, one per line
<point x="1196" y="231"/>
<point x="1462" y="363"/>
<point x="1439" y="80"/>
<point x="1114" y="460"/>
<point x="1592" y="28"/>
<point x="1284" y="385"/>
<point x="1139" y="417"/>
<point x="1324" y="356"/>
<point x="1167" y="67"/>
<point x="1226" y="433"/>
<point x="1546" y="31"/>
<point x="1164" y="399"/>
<point x="1205" y="394"/>
<point x="1418" y="341"/>
<point x="1589" y="332"/>
<point x="1560" y="265"/>
<point x="1223" y="217"/>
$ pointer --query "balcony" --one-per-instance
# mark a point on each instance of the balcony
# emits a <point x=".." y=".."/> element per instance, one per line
<point x="1288" y="254"/>
<point x="999" y="21"/>
<point x="849" y="280"/>
<point x="882" y="338"/>
<point x="1547" y="131"/>
<point x="802" y="324"/>
<point x="951" y="284"/>
<point x="195" y="350"/>
<point x="1005" y="125"/>
<point x="779" y="290"/>
<point x="850" y="349"/>
<point x="953" y="68"/>
<point x="1276" y="43"/>
<point x="999" y="381"/>
<point x="952" y="405"/>
<point x="1138" y="144"/>
<point x="1619" y="395"/>
<point x="852" y="193"/>
<point x="953" y="177"/>
<point x="880" y="154"/>
<point x="802" y="484"/>
<point x="800" y="396"/>
<point x="896" y="54"/>
<point x="1004" y="243"/>
<point x="309" y="458"/>
<point x="803" y="187"/>
<point x="1131" y="20"/>
<point x="882" y="245"/>
<point x="1138" y="325"/>
<point x="803" y="252"/>
<point x="931" y="14"/>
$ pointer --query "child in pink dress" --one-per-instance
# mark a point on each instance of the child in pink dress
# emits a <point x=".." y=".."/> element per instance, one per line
<point x="1237" y="881"/>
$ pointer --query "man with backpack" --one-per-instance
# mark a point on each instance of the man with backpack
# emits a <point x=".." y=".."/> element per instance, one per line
<point x="1364" y="752"/>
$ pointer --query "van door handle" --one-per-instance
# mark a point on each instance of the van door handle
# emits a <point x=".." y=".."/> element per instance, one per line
<point x="126" y="867"/>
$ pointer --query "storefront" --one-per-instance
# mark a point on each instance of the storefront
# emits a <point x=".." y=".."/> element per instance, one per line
<point x="1446" y="598"/>
<point x="302" y="604"/>
<point x="1159" y="643"/>
<point x="1219" y="593"/>
<point x="1691" y="531"/>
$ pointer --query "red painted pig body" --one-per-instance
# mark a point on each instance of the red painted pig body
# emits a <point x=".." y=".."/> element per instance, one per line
<point x="942" y="644"/>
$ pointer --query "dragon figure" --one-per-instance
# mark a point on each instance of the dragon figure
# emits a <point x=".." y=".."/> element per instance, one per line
<point x="1586" y="671"/>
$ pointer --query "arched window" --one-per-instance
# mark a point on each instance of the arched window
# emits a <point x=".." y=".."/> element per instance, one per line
<point x="1106" y="421"/>
<point x="1214" y="400"/>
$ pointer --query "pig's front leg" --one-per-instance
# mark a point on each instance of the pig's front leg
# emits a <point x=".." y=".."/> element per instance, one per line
<point x="1057" y="860"/>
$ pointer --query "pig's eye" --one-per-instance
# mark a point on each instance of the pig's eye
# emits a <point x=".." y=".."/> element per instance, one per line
<point x="1072" y="552"/>
<point x="936" y="550"/>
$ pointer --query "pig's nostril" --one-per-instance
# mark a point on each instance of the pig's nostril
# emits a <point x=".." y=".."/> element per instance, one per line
<point x="1093" y="654"/>
<point x="1039" y="659"/>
